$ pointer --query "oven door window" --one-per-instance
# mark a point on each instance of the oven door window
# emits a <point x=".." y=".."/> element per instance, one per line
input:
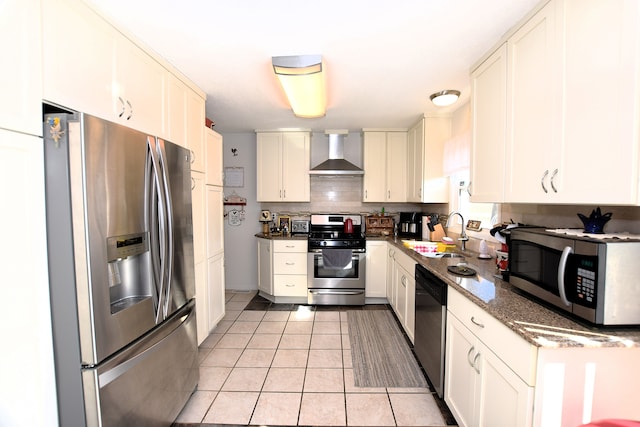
<point x="350" y="271"/>
<point x="535" y="263"/>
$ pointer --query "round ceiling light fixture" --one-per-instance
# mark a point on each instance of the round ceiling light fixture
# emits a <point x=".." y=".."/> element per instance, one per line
<point x="445" y="97"/>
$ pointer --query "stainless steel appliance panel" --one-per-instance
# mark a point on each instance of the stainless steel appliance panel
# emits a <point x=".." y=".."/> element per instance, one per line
<point x="350" y="277"/>
<point x="134" y="388"/>
<point x="430" y="324"/>
<point x="584" y="276"/>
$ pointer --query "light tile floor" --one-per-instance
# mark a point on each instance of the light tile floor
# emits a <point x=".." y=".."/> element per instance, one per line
<point x="293" y="367"/>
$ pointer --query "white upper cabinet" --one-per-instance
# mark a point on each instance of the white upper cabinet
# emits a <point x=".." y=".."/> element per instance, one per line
<point x="601" y="108"/>
<point x="283" y="167"/>
<point x="426" y="182"/>
<point x="571" y="114"/>
<point x="21" y="82"/>
<point x="138" y="88"/>
<point x="489" y="127"/>
<point x="78" y="57"/>
<point x="533" y="154"/>
<point x="213" y="151"/>
<point x="385" y="164"/>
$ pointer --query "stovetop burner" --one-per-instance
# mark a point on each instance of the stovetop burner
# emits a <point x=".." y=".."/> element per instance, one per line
<point x="327" y="231"/>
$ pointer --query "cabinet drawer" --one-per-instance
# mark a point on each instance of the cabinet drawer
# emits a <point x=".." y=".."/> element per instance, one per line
<point x="290" y="263"/>
<point x="408" y="263"/>
<point x="290" y="285"/>
<point x="290" y="246"/>
<point x="513" y="350"/>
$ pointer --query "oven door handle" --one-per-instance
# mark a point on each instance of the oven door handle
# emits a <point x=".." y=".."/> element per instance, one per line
<point x="561" y="268"/>
<point x="332" y="292"/>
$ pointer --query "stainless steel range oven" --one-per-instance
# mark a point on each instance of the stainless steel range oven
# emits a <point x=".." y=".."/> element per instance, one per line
<point x="336" y="261"/>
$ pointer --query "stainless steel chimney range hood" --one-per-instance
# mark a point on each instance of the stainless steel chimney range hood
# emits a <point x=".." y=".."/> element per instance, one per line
<point x="336" y="163"/>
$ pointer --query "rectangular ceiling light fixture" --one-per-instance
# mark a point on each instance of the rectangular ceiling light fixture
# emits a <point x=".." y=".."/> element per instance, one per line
<point x="302" y="79"/>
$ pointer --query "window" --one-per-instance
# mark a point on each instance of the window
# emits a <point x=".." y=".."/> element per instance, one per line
<point x="487" y="213"/>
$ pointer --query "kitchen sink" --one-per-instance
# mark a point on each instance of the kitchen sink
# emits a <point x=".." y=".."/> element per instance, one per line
<point x="452" y="255"/>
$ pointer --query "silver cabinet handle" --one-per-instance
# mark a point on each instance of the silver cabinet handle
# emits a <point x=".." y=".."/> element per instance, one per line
<point x="404" y="281"/>
<point x="290" y="286"/>
<point x="475" y="363"/>
<point x="475" y="322"/>
<point x="290" y="263"/>
<point x="388" y="194"/>
<point x="289" y="246"/>
<point x="130" y="110"/>
<point x="553" y="176"/>
<point x="544" y="175"/>
<point x="193" y="183"/>
<point x="469" y="361"/>
<point x="123" y="106"/>
<point x="469" y="189"/>
<point x="193" y="156"/>
<point x="366" y="194"/>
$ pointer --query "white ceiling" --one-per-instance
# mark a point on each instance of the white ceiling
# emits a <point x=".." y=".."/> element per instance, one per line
<point x="383" y="59"/>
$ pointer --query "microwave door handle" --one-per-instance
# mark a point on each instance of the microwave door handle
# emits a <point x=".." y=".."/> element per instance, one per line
<point x="561" y="268"/>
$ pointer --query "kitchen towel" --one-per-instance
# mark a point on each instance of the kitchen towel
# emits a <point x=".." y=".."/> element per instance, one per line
<point x="336" y="259"/>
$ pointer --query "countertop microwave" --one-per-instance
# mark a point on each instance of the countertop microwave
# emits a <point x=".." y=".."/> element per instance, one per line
<point x="595" y="279"/>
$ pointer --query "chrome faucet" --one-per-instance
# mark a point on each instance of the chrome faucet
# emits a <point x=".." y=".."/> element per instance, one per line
<point x="463" y="234"/>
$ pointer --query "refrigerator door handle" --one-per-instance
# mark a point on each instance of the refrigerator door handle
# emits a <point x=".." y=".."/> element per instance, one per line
<point x="169" y="229"/>
<point x="155" y="222"/>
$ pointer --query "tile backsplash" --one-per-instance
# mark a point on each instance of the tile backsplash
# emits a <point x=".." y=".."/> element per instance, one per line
<point x="337" y="194"/>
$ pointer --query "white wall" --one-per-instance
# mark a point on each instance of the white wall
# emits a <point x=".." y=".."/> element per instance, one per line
<point x="241" y="258"/>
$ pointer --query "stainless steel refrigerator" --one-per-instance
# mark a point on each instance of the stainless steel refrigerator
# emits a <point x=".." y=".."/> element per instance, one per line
<point x="120" y="243"/>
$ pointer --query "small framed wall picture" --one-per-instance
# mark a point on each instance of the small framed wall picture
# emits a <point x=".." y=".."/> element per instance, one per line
<point x="473" y="225"/>
<point x="284" y="221"/>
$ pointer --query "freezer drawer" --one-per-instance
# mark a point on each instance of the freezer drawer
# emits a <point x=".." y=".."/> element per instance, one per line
<point x="149" y="382"/>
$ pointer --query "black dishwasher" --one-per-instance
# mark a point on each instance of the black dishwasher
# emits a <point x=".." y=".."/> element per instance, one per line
<point x="431" y="316"/>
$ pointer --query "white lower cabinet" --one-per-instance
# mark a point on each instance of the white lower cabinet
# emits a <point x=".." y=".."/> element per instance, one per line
<point x="215" y="297"/>
<point x="481" y="388"/>
<point x="403" y="288"/>
<point x="376" y="269"/>
<point x="265" y="279"/>
<point x="290" y="268"/>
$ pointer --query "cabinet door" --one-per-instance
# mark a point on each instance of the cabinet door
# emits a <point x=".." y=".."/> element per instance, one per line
<point x="269" y="166"/>
<point x="601" y="51"/>
<point x="215" y="273"/>
<point x="402" y="286"/>
<point x="265" y="283"/>
<point x="21" y="77"/>
<point x="176" y="120"/>
<point x="296" y="184"/>
<point x="215" y="220"/>
<point x="375" y="166"/>
<point x="195" y="130"/>
<point x="415" y="162"/>
<point x="460" y="376"/>
<point x="503" y="398"/>
<point x="198" y="206"/>
<point x="532" y="157"/>
<point x="78" y="49"/>
<point x="213" y="149"/>
<point x="489" y="127"/>
<point x="202" y="301"/>
<point x="139" y="86"/>
<point x="376" y="270"/>
<point x="391" y="276"/>
<point x="396" y="167"/>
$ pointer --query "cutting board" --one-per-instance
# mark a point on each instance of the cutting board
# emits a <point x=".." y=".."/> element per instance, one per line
<point x="438" y="233"/>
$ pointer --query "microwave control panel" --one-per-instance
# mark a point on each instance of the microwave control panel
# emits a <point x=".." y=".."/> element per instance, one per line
<point x="586" y="279"/>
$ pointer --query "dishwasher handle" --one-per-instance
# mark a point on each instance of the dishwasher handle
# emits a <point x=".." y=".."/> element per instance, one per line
<point x="428" y="282"/>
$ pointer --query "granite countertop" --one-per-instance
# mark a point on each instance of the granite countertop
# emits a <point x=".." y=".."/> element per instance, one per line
<point x="534" y="322"/>
<point x="282" y="236"/>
